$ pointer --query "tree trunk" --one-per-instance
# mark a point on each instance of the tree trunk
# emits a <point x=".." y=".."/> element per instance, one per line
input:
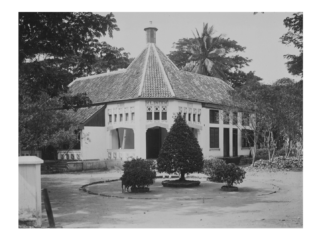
<point x="289" y="150"/>
<point x="273" y="155"/>
<point x="254" y="149"/>
<point x="182" y="178"/>
<point x="269" y="146"/>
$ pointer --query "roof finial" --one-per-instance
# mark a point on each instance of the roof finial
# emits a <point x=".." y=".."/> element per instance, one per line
<point x="151" y="33"/>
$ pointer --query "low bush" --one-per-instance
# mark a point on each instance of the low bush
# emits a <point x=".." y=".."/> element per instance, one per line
<point x="219" y="171"/>
<point x="235" y="160"/>
<point x="262" y="153"/>
<point x="138" y="174"/>
<point x="214" y="168"/>
<point x="282" y="152"/>
<point x="280" y="163"/>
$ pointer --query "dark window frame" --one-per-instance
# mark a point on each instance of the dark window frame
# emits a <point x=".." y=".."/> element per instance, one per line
<point x="226" y="118"/>
<point x="214" y="116"/>
<point x="235" y="118"/>
<point x="156" y="116"/>
<point x="149" y="116"/>
<point x="214" y="137"/>
<point x="245" y="119"/>
<point x="164" y="115"/>
<point x="247" y="141"/>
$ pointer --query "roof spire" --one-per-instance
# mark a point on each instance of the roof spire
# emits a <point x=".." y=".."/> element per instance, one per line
<point x="151" y="33"/>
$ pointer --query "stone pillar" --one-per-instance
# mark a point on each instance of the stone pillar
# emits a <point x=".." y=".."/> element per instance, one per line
<point x="30" y="189"/>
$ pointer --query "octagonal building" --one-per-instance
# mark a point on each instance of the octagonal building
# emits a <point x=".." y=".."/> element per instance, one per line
<point x="133" y="109"/>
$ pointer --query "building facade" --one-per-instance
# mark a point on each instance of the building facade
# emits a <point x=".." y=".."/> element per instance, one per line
<point x="134" y="108"/>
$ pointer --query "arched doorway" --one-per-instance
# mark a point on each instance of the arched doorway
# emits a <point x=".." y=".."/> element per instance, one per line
<point x="154" y="140"/>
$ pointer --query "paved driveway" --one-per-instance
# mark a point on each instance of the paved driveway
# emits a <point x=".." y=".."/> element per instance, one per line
<point x="264" y="200"/>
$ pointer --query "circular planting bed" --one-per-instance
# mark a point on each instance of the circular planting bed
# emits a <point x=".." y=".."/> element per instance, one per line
<point x="229" y="188"/>
<point x="139" y="190"/>
<point x="180" y="184"/>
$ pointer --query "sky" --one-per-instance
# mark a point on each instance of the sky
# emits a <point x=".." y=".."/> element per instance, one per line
<point x="259" y="33"/>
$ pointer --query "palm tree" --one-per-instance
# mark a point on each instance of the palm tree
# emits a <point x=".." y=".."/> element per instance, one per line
<point x="208" y="55"/>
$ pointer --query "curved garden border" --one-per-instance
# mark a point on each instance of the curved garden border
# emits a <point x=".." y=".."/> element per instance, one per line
<point x="83" y="188"/>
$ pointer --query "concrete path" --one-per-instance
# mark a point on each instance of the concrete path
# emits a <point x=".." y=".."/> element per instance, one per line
<point x="272" y="200"/>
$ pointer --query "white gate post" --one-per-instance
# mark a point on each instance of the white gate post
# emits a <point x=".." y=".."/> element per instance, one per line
<point x="30" y="189"/>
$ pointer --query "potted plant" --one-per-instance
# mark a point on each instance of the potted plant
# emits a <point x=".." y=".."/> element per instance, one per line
<point x="219" y="171"/>
<point x="138" y="175"/>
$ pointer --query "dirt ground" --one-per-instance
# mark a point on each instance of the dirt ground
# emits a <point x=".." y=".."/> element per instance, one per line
<point x="264" y="200"/>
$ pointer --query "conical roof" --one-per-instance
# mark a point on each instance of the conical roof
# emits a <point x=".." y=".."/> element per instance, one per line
<point x="152" y="75"/>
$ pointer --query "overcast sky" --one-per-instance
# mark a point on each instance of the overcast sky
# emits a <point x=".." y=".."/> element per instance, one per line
<point x="259" y="33"/>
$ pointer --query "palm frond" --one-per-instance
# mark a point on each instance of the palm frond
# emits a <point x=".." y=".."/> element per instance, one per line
<point x="204" y="40"/>
<point x="197" y="33"/>
<point x="209" y="65"/>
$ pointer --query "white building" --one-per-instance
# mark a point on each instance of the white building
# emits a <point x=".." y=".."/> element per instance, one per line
<point x="133" y="109"/>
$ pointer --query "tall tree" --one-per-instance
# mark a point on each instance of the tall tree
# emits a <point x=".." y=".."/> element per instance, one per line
<point x="212" y="56"/>
<point x="294" y="36"/>
<point x="276" y="113"/>
<point x="54" y="49"/>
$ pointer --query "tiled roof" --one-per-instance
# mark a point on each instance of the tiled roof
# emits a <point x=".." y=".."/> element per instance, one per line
<point x="193" y="86"/>
<point x="112" y="87"/>
<point x="82" y="114"/>
<point x="152" y="75"/>
<point x="154" y="84"/>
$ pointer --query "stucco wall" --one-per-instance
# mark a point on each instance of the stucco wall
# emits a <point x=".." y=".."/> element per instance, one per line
<point x="105" y="139"/>
<point x="93" y="143"/>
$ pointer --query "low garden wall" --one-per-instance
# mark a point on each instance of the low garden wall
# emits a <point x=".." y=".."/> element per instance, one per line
<point x="61" y="166"/>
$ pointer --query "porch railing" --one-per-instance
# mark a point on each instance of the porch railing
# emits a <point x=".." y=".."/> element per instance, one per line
<point x="121" y="154"/>
<point x="69" y="155"/>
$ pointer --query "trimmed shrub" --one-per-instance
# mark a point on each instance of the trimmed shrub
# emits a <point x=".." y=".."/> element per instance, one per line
<point x="181" y="152"/>
<point x="138" y="174"/>
<point x="214" y="168"/>
<point x="219" y="171"/>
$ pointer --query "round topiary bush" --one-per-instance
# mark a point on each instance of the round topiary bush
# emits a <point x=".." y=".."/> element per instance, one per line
<point x="214" y="168"/>
<point x="181" y="152"/>
<point x="138" y="175"/>
<point x="219" y="171"/>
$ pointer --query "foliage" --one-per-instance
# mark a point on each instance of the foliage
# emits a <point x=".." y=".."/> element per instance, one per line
<point x="277" y="112"/>
<point x="138" y="173"/>
<point x="262" y="153"/>
<point x="294" y="36"/>
<point x="279" y="164"/>
<point x="219" y="171"/>
<point x="214" y="168"/>
<point x="54" y="49"/>
<point x="39" y="127"/>
<point x="212" y="56"/>
<point x="180" y="152"/>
